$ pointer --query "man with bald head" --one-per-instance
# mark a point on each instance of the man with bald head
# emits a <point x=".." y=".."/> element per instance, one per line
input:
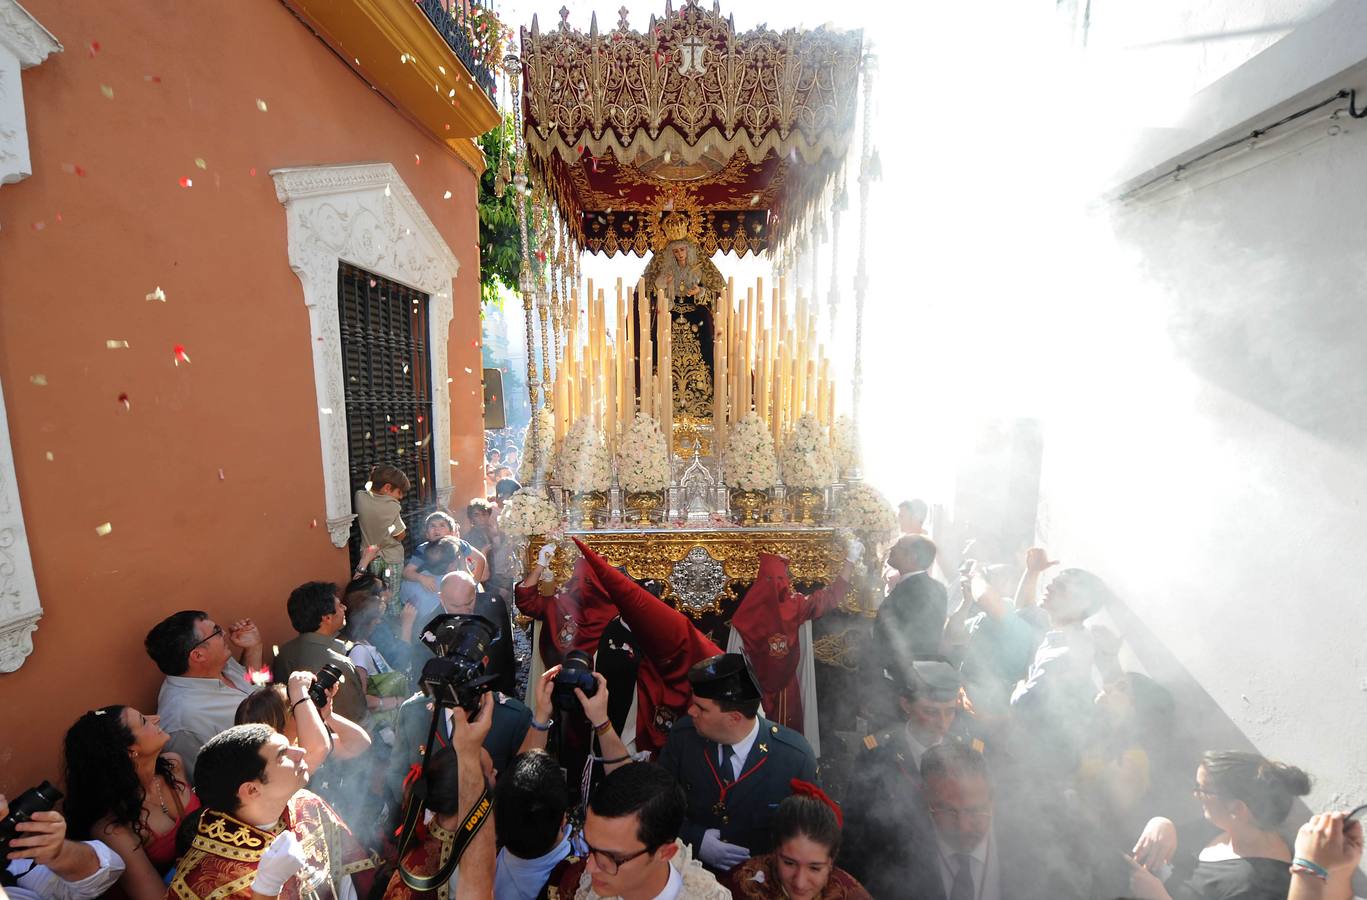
<point x="911" y="620"/>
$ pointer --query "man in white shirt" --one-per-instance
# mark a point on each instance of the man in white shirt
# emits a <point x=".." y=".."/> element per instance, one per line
<point x="206" y="676"/>
<point x="50" y="867"/>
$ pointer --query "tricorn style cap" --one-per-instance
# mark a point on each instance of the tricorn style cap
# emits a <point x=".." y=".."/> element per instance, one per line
<point x="723" y="677"/>
<point x="933" y="680"/>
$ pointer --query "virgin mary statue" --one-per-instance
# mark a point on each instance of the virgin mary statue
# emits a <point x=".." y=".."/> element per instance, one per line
<point x="692" y="284"/>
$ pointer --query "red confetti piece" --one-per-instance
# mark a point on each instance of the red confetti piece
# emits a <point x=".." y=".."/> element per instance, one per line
<point x="154" y="79"/>
<point x="252" y="171"/>
<point x="39" y="226"/>
<point x="94" y="48"/>
<point x="220" y="475"/>
<point x="394" y="429"/>
<point x="123" y="398"/>
<point x="419" y="420"/>
<point x="180" y="355"/>
<point x="187" y="182"/>
<point x="541" y="256"/>
<point x="315" y="524"/>
<point x="417" y="159"/>
<point x="73" y="169"/>
<point x="58" y="217"/>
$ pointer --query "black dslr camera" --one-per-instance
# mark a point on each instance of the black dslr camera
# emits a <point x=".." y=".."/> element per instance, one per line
<point x="322" y="683"/>
<point x="42" y="798"/>
<point x="456" y="676"/>
<point x="575" y="672"/>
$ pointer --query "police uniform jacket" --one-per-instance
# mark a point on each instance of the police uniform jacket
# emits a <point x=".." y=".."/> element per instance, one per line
<point x="511" y="721"/>
<point x="777" y="756"/>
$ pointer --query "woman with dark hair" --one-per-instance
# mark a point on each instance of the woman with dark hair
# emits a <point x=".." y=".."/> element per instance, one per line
<point x="1245" y="797"/>
<point x="123" y="790"/>
<point x="290" y="710"/>
<point x="806" y="829"/>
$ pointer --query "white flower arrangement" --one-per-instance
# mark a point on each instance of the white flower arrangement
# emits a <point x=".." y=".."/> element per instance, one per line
<point x="869" y="514"/>
<point x="807" y="456"/>
<point x="528" y="513"/>
<point x="844" y="451"/>
<point x="584" y="464"/>
<point x="545" y="457"/>
<point x="750" y="461"/>
<point x="643" y="456"/>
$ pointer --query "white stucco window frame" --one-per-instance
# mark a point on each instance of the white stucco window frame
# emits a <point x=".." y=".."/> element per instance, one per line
<point x="24" y="43"/>
<point x="365" y="215"/>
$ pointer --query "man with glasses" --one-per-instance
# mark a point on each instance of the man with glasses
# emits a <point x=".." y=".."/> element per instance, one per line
<point x="206" y="676"/>
<point x="631" y="834"/>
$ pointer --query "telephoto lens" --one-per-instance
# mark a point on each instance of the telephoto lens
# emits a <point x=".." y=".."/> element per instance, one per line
<point x="42" y="798"/>
<point x="322" y="683"/>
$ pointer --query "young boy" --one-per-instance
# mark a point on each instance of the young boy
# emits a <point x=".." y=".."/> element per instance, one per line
<point x="381" y="520"/>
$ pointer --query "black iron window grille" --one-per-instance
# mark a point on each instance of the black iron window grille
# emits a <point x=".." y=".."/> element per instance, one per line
<point x="387" y="369"/>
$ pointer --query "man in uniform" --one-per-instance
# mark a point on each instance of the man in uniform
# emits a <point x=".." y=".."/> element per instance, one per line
<point x="885" y="808"/>
<point x="735" y="765"/>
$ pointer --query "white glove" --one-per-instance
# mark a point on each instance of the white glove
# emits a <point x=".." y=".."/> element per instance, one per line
<point x="281" y="861"/>
<point x="854" y="551"/>
<point x="543" y="558"/>
<point x="720" y="855"/>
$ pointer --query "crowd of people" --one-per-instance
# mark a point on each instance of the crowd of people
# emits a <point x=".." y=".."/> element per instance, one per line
<point x="1005" y="752"/>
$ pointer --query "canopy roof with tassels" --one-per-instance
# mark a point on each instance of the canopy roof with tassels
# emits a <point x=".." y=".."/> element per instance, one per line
<point x="743" y="133"/>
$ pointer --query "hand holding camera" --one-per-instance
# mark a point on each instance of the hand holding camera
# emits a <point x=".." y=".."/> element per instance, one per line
<point x="325" y="685"/>
<point x="30" y="829"/>
<point x="575" y="675"/>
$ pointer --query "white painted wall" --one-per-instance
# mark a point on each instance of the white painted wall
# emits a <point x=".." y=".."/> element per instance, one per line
<point x="1211" y="461"/>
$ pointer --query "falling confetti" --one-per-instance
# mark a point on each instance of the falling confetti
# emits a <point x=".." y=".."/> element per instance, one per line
<point x="314" y="525"/>
<point x="154" y="79"/>
<point x="417" y="159"/>
<point x="58" y="217"/>
<point x="49" y="456"/>
<point x="158" y="294"/>
<point x="39" y="226"/>
<point x="94" y="48"/>
<point x="40" y="380"/>
<point x="107" y="91"/>
<point x="446" y="196"/>
<point x="187" y="182"/>
<point x="441" y="69"/>
<point x="180" y="354"/>
<point x="469" y="371"/>
<point x="260" y="104"/>
<point x="73" y="169"/>
<point x="116" y="345"/>
<point x="252" y="171"/>
<point x="199" y="161"/>
<point x="754" y="199"/>
<point x="104" y="529"/>
<point x="221" y="476"/>
<point x="123" y="398"/>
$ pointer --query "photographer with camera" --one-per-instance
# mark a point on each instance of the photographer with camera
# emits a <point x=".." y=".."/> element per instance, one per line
<point x="567" y="688"/>
<point x="40" y="863"/>
<point x="293" y="710"/>
<point x="454" y="798"/>
<point x="454" y="673"/>
<point x="317" y="613"/>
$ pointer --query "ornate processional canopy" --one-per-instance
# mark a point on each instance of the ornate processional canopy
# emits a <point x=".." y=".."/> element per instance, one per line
<point x="740" y="133"/>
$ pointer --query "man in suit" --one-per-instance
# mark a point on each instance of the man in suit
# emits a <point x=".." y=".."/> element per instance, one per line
<point x="735" y="765"/>
<point x="911" y="620"/>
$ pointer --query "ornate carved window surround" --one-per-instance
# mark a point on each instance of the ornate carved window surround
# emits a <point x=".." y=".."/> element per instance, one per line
<point x="364" y="214"/>
<point x="23" y="43"/>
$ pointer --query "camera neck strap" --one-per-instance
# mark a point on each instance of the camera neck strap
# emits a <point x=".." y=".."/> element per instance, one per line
<point x="412" y="813"/>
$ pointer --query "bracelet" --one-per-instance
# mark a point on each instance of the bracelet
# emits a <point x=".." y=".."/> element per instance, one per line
<point x="604" y="728"/>
<point x="1303" y="866"/>
<point x="542" y="726"/>
<point x="607" y="762"/>
<point x="296" y="703"/>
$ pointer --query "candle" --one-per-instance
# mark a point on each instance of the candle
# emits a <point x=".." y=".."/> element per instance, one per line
<point x="645" y="350"/>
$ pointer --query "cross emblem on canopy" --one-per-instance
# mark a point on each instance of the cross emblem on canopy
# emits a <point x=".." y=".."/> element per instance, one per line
<point x="691" y="51"/>
<point x="622" y="21"/>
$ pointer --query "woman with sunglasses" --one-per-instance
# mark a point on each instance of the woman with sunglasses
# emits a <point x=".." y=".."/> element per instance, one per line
<point x="806" y="829"/>
<point x="123" y="790"/>
<point x="1245" y="797"/>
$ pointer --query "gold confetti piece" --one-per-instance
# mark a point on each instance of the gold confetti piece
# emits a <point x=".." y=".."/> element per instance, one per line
<point x="116" y="345"/>
<point x="158" y="294"/>
<point x="446" y="196"/>
<point x="104" y="529"/>
<point x="469" y="371"/>
<point x="49" y="456"/>
<point x="40" y="380"/>
<point x="107" y="91"/>
<point x="199" y="161"/>
<point x="260" y="104"/>
<point x="441" y="69"/>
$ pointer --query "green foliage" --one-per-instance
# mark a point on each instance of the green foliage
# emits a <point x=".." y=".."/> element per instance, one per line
<point x="499" y="242"/>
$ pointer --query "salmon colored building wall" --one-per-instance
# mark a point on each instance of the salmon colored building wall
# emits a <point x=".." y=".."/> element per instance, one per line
<point x="185" y="80"/>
